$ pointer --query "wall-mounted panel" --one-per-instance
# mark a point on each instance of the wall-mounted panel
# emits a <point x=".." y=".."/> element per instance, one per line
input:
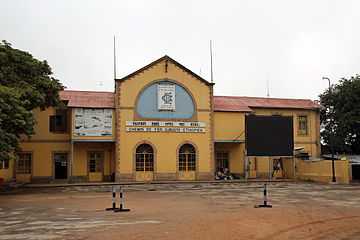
<point x="93" y="122"/>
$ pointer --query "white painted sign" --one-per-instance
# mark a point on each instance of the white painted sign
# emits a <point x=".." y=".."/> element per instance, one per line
<point x="166" y="97"/>
<point x="164" y="124"/>
<point x="93" y="122"/>
<point x="165" y="129"/>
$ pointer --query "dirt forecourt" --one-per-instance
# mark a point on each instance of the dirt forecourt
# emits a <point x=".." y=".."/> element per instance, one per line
<point x="183" y="211"/>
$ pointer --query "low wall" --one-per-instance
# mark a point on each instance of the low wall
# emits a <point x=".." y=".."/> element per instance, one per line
<point x="322" y="170"/>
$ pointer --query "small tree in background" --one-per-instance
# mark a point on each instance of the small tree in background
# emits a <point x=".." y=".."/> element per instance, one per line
<point x="25" y="84"/>
<point x="344" y="98"/>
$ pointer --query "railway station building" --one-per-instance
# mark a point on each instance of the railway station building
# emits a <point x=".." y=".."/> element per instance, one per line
<point x="162" y="123"/>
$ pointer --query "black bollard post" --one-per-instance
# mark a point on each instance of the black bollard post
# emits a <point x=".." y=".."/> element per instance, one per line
<point x="265" y="200"/>
<point x="114" y="199"/>
<point x="121" y="209"/>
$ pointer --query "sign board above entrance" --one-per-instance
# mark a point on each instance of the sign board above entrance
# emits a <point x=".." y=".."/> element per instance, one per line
<point x="165" y="129"/>
<point x="164" y="124"/>
<point x="149" y="126"/>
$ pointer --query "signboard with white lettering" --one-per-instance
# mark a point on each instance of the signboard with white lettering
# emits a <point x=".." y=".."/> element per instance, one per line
<point x="166" y="97"/>
<point x="165" y="129"/>
<point x="164" y="124"/>
<point x="93" y="122"/>
<point x="155" y="126"/>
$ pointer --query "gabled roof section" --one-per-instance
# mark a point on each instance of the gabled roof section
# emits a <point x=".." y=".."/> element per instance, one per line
<point x="238" y="104"/>
<point x="87" y="99"/>
<point x="169" y="59"/>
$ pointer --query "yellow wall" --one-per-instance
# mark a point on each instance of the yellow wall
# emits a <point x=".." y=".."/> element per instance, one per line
<point x="229" y="126"/>
<point x="42" y="155"/>
<point x="43" y="125"/>
<point x="322" y="171"/>
<point x="165" y="144"/>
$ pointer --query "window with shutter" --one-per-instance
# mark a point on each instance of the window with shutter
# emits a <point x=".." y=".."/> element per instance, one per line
<point x="59" y="122"/>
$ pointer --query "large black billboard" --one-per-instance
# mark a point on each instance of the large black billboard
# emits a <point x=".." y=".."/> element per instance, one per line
<point x="269" y="135"/>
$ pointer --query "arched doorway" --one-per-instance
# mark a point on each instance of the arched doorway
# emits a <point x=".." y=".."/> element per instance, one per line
<point x="144" y="162"/>
<point x="187" y="162"/>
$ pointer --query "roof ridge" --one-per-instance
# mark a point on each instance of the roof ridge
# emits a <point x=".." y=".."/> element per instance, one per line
<point x="86" y="91"/>
<point x="266" y="98"/>
<point x="167" y="58"/>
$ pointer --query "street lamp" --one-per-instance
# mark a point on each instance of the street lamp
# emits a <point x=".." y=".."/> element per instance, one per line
<point x="325" y="78"/>
<point x="331" y="110"/>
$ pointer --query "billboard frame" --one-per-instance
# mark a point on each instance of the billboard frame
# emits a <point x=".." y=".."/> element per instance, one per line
<point x="247" y="157"/>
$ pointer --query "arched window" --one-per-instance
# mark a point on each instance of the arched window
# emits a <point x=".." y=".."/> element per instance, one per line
<point x="187" y="158"/>
<point x="144" y="158"/>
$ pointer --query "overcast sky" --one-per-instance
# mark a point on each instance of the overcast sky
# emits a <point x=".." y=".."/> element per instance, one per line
<point x="292" y="44"/>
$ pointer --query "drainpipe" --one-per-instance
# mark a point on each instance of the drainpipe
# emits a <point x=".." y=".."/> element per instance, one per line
<point x="72" y="162"/>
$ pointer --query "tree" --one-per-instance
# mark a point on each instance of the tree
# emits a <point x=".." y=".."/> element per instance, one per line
<point x="25" y="84"/>
<point x="344" y="98"/>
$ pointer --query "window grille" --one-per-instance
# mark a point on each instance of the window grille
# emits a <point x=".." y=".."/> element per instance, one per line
<point x="144" y="158"/>
<point x="187" y="158"/>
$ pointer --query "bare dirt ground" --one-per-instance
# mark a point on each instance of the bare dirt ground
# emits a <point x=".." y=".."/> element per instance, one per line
<point x="183" y="211"/>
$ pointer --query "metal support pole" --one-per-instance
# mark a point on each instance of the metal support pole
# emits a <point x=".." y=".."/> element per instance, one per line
<point x="72" y="162"/>
<point x="294" y="167"/>
<point x="249" y="167"/>
<point x="114" y="199"/>
<point x="121" y="209"/>
<point x="332" y="161"/>
<point x="246" y="159"/>
<point x="265" y="200"/>
<point x="331" y="134"/>
<point x="270" y="170"/>
<point x="121" y="195"/>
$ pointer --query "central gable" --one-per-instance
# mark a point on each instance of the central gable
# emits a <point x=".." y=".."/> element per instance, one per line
<point x="165" y="90"/>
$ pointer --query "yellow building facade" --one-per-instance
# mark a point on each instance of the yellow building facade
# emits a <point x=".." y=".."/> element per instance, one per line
<point x="161" y="124"/>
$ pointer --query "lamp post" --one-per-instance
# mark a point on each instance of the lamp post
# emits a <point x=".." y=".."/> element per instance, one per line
<point x="331" y="133"/>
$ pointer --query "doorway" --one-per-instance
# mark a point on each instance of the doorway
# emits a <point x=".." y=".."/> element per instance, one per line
<point x="144" y="162"/>
<point x="61" y="165"/>
<point x="96" y="166"/>
<point x="355" y="172"/>
<point x="187" y="162"/>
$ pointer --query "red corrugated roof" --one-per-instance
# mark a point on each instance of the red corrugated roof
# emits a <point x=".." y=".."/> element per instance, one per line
<point x="243" y="104"/>
<point x="88" y="99"/>
<point x="230" y="104"/>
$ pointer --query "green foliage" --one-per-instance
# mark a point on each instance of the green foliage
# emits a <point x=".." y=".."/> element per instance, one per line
<point x="345" y="98"/>
<point x="25" y="84"/>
